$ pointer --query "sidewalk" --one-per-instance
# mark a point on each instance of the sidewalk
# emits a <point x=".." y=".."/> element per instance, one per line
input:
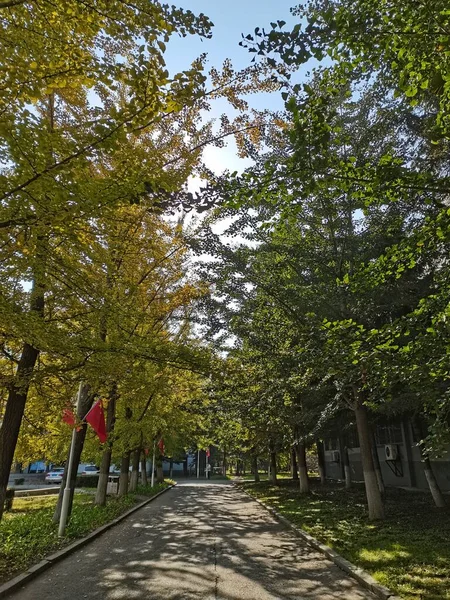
<point x="200" y="540"/>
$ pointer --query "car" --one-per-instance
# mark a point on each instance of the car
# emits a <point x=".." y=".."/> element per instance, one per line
<point x="55" y="475"/>
<point x="88" y="470"/>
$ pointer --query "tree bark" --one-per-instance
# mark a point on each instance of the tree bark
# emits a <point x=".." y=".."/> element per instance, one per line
<point x="302" y="468"/>
<point x="85" y="404"/>
<point x="12" y="419"/>
<point x="321" y="461"/>
<point x="102" y="486"/>
<point x="347" y="470"/>
<point x="345" y="462"/>
<point x="103" y="476"/>
<point x="171" y="468"/>
<point x="273" y="468"/>
<point x="294" y="466"/>
<point x="435" y="490"/>
<point x="144" y="469"/>
<point x="255" y="468"/>
<point x="17" y="395"/>
<point x="376" y="463"/>
<point x="224" y="465"/>
<point x="432" y="483"/>
<point x="124" y="474"/>
<point x="135" y="470"/>
<point x="374" y="499"/>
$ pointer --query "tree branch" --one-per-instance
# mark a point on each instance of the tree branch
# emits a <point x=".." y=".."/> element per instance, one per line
<point x="9" y="3"/>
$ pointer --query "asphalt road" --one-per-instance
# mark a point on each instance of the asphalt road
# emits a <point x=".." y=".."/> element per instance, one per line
<point x="197" y="541"/>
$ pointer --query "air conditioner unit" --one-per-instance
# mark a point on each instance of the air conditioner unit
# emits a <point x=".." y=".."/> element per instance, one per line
<point x="334" y="455"/>
<point x="391" y="452"/>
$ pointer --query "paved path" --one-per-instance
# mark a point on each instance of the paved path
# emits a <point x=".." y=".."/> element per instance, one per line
<point x="197" y="541"/>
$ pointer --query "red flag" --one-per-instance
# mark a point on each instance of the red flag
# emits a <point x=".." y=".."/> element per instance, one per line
<point x="161" y="446"/>
<point x="208" y="453"/>
<point x="68" y="417"/>
<point x="96" y="420"/>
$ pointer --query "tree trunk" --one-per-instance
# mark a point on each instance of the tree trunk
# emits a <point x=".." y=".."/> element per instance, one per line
<point x="102" y="486"/>
<point x="427" y="468"/>
<point x="347" y="470"/>
<point x="432" y="483"/>
<point x="374" y="499"/>
<point x="321" y="461"/>
<point x="85" y="404"/>
<point x="135" y="470"/>
<point x="124" y="474"/>
<point x="144" y="470"/>
<point x="273" y="468"/>
<point x="255" y="468"/>
<point x="294" y="466"/>
<point x="159" y="473"/>
<point x="302" y="468"/>
<point x="171" y="468"/>
<point x="12" y="419"/>
<point x="376" y="463"/>
<point x="103" y="476"/>
<point x="345" y="462"/>
<point x="224" y="465"/>
<point x="18" y="392"/>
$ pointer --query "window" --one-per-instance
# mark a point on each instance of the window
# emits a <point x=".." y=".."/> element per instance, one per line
<point x="331" y="444"/>
<point x="388" y="433"/>
<point x="352" y="438"/>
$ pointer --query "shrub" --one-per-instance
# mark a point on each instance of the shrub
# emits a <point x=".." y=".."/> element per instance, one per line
<point x="86" y="481"/>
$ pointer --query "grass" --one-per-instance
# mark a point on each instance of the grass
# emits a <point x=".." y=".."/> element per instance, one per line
<point x="409" y="552"/>
<point x="148" y="490"/>
<point x="264" y="477"/>
<point x="220" y="477"/>
<point x="27" y="533"/>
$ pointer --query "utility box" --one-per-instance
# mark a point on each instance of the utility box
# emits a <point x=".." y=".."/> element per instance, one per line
<point x="391" y="452"/>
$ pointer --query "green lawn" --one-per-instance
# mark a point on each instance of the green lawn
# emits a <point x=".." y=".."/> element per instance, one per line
<point x="409" y="552"/>
<point x="262" y="476"/>
<point x="27" y="533"/>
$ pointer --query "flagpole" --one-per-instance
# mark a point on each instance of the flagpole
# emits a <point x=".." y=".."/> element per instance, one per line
<point x="67" y="490"/>
<point x="207" y="463"/>
<point x="153" y="464"/>
<point x="198" y="464"/>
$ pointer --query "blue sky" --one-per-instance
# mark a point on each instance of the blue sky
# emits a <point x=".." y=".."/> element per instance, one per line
<point x="230" y="19"/>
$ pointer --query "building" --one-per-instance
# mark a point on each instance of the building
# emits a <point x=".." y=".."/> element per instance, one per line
<point x="398" y="452"/>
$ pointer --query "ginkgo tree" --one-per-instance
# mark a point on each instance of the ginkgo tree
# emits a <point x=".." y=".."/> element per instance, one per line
<point x="91" y="121"/>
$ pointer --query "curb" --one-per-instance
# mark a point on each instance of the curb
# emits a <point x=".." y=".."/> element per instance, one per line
<point x="361" y="576"/>
<point x="46" y="563"/>
<point x="39" y="492"/>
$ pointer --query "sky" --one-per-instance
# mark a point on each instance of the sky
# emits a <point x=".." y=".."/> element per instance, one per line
<point x="231" y="19"/>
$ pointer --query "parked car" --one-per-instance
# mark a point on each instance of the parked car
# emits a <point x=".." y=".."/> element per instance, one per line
<point x="88" y="470"/>
<point x="55" y="475"/>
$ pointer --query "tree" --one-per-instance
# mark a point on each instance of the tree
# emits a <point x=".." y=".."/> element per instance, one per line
<point x="315" y="228"/>
<point x="91" y="121"/>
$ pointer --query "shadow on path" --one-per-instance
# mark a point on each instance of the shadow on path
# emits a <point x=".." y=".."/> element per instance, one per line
<point x="199" y="540"/>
